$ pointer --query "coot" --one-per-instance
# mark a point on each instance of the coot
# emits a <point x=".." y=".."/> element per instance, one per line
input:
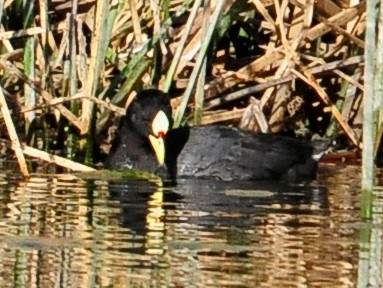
<point x="146" y="141"/>
<point x="139" y="143"/>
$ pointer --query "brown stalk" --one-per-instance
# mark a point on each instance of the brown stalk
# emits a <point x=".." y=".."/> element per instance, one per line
<point x="310" y="80"/>
<point x="64" y="111"/>
<point x="13" y="134"/>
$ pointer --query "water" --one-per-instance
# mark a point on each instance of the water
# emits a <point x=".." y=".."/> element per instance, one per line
<point x="66" y="231"/>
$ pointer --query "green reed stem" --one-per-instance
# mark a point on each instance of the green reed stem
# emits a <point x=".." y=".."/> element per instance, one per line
<point x="200" y="91"/>
<point x="201" y="56"/>
<point x="368" y="111"/>
<point x="181" y="45"/>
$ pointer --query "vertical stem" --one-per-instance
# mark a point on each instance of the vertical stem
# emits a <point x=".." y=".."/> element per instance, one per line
<point x="378" y="82"/>
<point x="199" y="95"/>
<point x="181" y="45"/>
<point x="29" y="62"/>
<point x="197" y="68"/>
<point x="135" y="21"/>
<point x="368" y="112"/>
<point x="73" y="48"/>
<point x="1" y="9"/>
<point x="44" y="61"/>
<point x="72" y="145"/>
<point x="99" y="44"/>
<point x="165" y="9"/>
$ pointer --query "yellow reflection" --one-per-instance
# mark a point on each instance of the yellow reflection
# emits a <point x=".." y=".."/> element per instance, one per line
<point x="154" y="223"/>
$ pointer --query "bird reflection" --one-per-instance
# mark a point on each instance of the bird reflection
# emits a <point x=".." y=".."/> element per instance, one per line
<point x="142" y="211"/>
<point x="145" y="204"/>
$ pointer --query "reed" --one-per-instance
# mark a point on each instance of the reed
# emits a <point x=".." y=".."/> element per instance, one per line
<point x="368" y="115"/>
<point x="372" y="103"/>
<point x="82" y="61"/>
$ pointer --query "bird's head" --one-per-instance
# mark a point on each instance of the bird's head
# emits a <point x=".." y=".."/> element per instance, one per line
<point x="150" y="115"/>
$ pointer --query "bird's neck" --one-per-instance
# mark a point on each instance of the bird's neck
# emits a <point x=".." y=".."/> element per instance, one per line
<point x="138" y="150"/>
<point x="134" y="141"/>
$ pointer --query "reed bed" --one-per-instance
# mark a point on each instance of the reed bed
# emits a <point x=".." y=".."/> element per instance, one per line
<point x="69" y="68"/>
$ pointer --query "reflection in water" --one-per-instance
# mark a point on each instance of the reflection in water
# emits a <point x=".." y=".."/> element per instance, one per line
<point x="63" y="231"/>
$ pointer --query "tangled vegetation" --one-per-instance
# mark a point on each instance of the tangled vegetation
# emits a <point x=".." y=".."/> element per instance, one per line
<point x="70" y="67"/>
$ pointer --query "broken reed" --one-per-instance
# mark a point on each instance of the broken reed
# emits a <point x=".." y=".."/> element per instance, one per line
<point x="82" y="60"/>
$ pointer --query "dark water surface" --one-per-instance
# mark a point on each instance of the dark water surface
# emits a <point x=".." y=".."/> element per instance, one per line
<point x="65" y="231"/>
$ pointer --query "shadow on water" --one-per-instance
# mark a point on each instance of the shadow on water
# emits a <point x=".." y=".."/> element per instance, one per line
<point x="67" y="231"/>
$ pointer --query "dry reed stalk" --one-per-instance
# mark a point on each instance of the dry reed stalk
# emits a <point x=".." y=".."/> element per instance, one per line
<point x="13" y="134"/>
<point x="201" y="56"/>
<point x="378" y="83"/>
<point x="310" y="80"/>
<point x="77" y="96"/>
<point x="340" y="19"/>
<point x="10" y="68"/>
<point x="98" y="46"/>
<point x="117" y="66"/>
<point x="343" y="32"/>
<point x="181" y="46"/>
<point x="222" y="116"/>
<point x="262" y="9"/>
<point x="199" y="91"/>
<point x="253" y="117"/>
<point x="336" y="71"/>
<point x="274" y="82"/>
<point x="44" y="24"/>
<point x="136" y="22"/>
<point x="291" y="40"/>
<point x="249" y="72"/>
<point x="60" y="161"/>
<point x="21" y="33"/>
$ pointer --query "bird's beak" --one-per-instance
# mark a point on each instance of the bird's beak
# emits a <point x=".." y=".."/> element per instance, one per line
<point x="160" y="127"/>
<point x="159" y="148"/>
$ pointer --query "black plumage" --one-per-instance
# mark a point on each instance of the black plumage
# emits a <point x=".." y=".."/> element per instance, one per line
<point x="131" y="149"/>
<point x="219" y="152"/>
<point x="229" y="153"/>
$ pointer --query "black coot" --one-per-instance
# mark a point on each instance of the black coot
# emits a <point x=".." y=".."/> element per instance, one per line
<point x="145" y="141"/>
<point x="139" y="143"/>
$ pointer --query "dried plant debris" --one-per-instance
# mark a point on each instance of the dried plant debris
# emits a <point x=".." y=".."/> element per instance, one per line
<point x="270" y="66"/>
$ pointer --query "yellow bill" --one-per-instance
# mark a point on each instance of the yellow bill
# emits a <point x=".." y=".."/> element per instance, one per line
<point x="160" y="127"/>
<point x="159" y="148"/>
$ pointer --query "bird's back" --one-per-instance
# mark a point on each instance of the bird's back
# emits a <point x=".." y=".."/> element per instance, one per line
<point x="231" y="154"/>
